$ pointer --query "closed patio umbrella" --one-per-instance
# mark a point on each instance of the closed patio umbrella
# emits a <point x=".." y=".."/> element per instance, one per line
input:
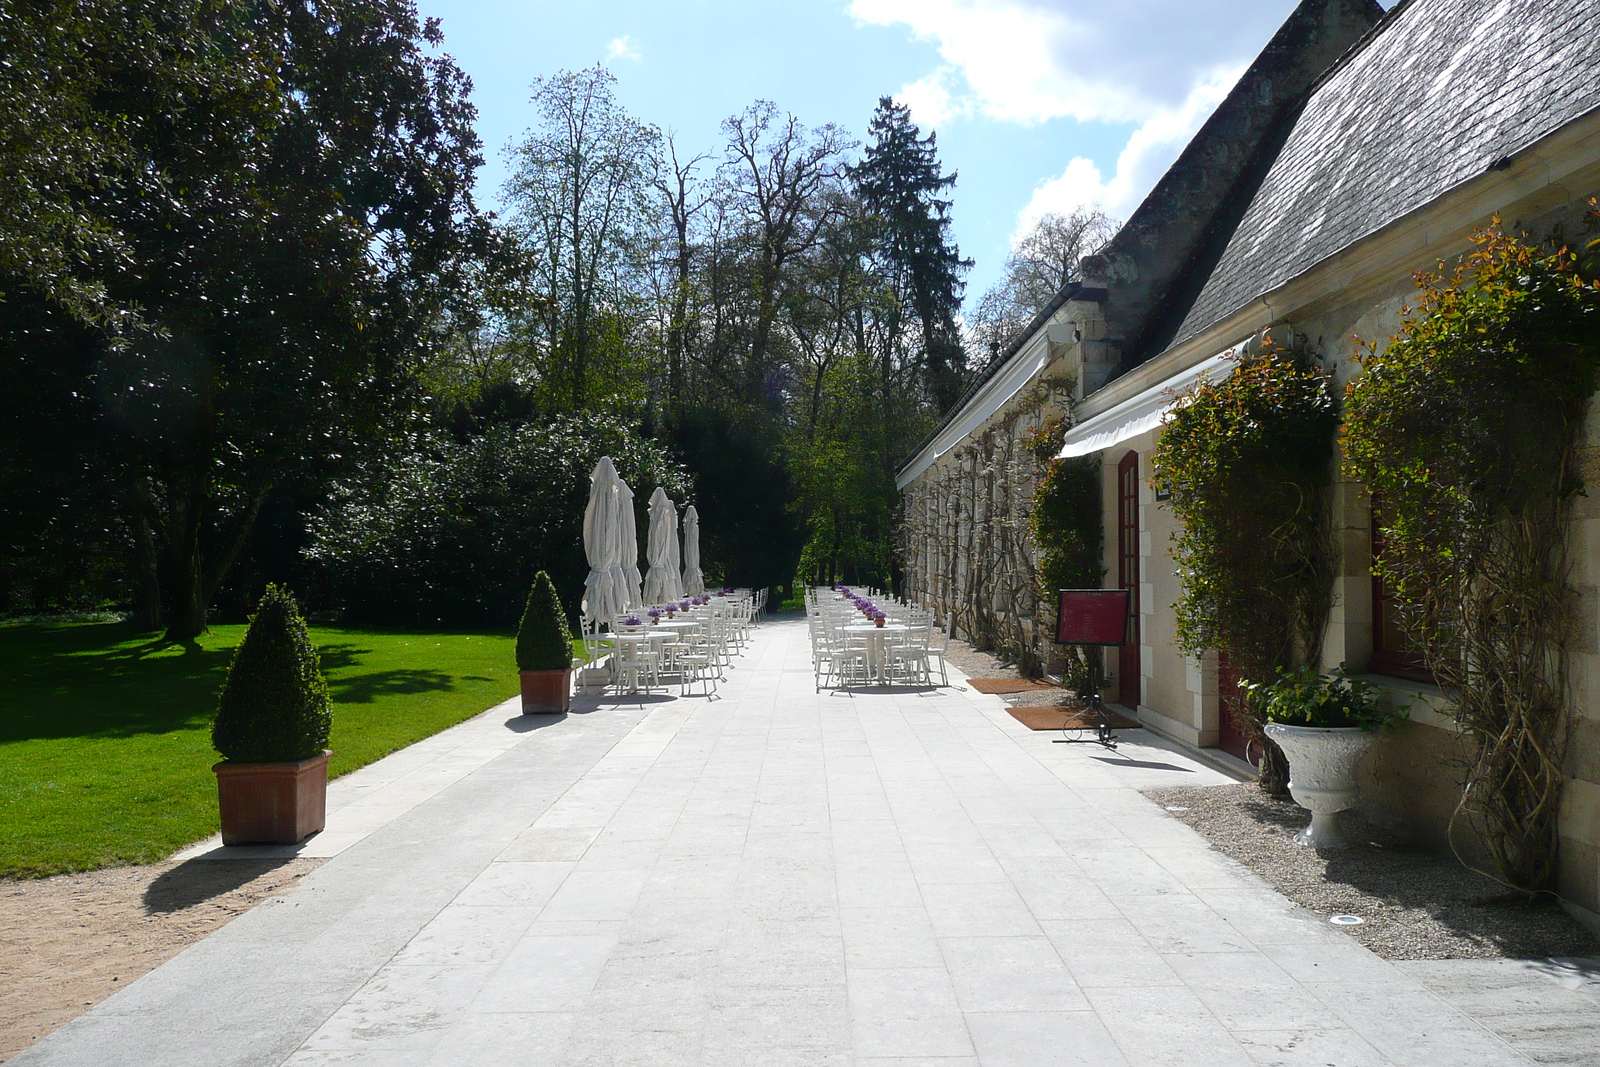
<point x="694" y="583"/>
<point x="663" y="582"/>
<point x="602" y="545"/>
<point x="629" y="529"/>
<point x="674" y="575"/>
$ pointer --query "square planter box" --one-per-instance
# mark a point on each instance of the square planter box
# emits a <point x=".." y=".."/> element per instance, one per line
<point x="272" y="803"/>
<point x="546" y="692"/>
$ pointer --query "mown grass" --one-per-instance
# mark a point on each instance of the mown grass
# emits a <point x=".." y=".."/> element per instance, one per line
<point x="105" y="734"/>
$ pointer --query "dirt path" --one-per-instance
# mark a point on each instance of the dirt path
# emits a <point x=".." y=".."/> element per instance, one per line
<point x="69" y="942"/>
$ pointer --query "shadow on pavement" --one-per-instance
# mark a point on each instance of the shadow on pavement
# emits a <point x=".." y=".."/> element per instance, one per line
<point x="199" y="880"/>
<point x="526" y="724"/>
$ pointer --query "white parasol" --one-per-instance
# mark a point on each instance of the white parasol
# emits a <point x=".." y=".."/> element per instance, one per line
<point x="663" y="582"/>
<point x="674" y="575"/>
<point x="629" y="532"/>
<point x="602" y="590"/>
<point x="694" y="583"/>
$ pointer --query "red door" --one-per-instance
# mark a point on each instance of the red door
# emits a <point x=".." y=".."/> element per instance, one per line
<point x="1230" y="738"/>
<point x="1128" y="576"/>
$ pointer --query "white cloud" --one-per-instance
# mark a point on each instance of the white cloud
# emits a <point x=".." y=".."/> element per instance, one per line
<point x="1160" y="66"/>
<point x="1029" y="61"/>
<point x="931" y="101"/>
<point x="622" y="48"/>
<point x="1150" y="150"/>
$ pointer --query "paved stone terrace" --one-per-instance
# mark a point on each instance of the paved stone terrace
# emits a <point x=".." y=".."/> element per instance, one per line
<point x="785" y="877"/>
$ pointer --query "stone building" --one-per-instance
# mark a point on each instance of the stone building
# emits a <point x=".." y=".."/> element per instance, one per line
<point x="1358" y="148"/>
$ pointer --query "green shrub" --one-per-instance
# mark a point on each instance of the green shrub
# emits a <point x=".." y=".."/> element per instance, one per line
<point x="446" y="532"/>
<point x="1469" y="430"/>
<point x="1247" y="461"/>
<point x="274" y="704"/>
<point x="543" y="643"/>
<point x="1305" y="698"/>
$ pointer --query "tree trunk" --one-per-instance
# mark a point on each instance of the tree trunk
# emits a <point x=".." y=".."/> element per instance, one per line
<point x="1274" y="772"/>
<point x="191" y="584"/>
<point x="186" y="606"/>
<point x="147" y="580"/>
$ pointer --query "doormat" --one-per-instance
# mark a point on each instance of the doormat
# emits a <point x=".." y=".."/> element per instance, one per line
<point x="1059" y="718"/>
<point x="1008" y="685"/>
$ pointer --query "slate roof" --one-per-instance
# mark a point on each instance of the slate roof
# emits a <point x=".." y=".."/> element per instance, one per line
<point x="1435" y="96"/>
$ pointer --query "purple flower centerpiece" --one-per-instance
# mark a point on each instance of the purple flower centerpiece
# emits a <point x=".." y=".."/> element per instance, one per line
<point x="655" y="615"/>
<point x="683" y="605"/>
<point x="878" y="618"/>
<point x="632" y="620"/>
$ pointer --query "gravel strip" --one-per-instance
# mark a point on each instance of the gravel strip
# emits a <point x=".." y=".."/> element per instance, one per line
<point x="975" y="664"/>
<point x="1417" y="905"/>
<point x="69" y="942"/>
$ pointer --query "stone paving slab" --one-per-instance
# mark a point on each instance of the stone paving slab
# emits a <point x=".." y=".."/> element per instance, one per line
<point x="781" y="876"/>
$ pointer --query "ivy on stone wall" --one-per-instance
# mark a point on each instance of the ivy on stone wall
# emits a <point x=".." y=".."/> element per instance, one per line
<point x="1466" y="427"/>
<point x="1065" y="521"/>
<point x="1248" y="463"/>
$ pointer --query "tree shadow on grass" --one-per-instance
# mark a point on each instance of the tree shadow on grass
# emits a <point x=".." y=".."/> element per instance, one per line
<point x="199" y="880"/>
<point x="365" y="688"/>
<point x="89" y="681"/>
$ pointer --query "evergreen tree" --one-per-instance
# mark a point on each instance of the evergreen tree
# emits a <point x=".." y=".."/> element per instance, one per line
<point x="899" y="181"/>
<point x="274" y="704"/>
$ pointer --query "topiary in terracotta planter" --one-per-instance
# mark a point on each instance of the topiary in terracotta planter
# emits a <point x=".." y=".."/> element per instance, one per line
<point x="272" y="726"/>
<point x="544" y="651"/>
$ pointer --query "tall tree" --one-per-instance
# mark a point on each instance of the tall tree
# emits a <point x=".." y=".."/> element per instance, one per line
<point x="900" y="183"/>
<point x="783" y="185"/>
<point x="288" y="253"/>
<point x="684" y="200"/>
<point x="581" y="196"/>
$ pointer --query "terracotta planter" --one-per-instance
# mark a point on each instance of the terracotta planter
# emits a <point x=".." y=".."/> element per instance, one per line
<point x="1322" y="774"/>
<point x="272" y="803"/>
<point x="546" y="692"/>
<point x="877" y="622"/>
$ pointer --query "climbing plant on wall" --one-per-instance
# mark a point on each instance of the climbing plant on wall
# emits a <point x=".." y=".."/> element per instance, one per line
<point x="1248" y="463"/>
<point x="1066" y="526"/>
<point x="1466" y="426"/>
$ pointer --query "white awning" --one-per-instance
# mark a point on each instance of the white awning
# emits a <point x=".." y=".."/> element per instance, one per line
<point x="1143" y="411"/>
<point x="1023" y="367"/>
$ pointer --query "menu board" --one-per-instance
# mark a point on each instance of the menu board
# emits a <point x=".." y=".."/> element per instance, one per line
<point x="1093" y="617"/>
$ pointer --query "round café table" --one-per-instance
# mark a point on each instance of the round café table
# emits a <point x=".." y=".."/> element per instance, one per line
<point x="877" y="656"/>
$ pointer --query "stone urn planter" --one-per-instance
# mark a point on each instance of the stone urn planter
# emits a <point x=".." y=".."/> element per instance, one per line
<point x="1322" y="774"/>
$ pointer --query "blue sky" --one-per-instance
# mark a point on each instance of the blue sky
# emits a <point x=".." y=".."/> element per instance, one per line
<point x="1038" y="104"/>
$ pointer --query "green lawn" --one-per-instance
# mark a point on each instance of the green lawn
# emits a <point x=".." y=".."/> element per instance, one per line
<point x="105" y="736"/>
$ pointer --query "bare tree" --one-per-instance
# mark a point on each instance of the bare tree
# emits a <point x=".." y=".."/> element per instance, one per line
<point x="684" y="199"/>
<point x="783" y="181"/>
<point x="581" y="195"/>
<point x="1044" y="260"/>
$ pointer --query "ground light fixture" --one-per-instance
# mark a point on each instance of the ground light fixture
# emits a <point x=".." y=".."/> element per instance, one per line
<point x="1347" y="920"/>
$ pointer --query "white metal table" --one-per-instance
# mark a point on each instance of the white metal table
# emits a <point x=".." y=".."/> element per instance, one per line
<point x="877" y="655"/>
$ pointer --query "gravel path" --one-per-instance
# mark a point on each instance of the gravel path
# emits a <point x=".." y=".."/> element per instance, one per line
<point x="1417" y="905"/>
<point x="975" y="664"/>
<point x="71" y="941"/>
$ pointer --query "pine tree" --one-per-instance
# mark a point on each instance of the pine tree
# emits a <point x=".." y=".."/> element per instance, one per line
<point x="899" y="181"/>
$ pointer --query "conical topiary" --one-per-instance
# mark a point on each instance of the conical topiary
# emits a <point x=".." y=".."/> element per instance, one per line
<point x="274" y="704"/>
<point x="543" y="641"/>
